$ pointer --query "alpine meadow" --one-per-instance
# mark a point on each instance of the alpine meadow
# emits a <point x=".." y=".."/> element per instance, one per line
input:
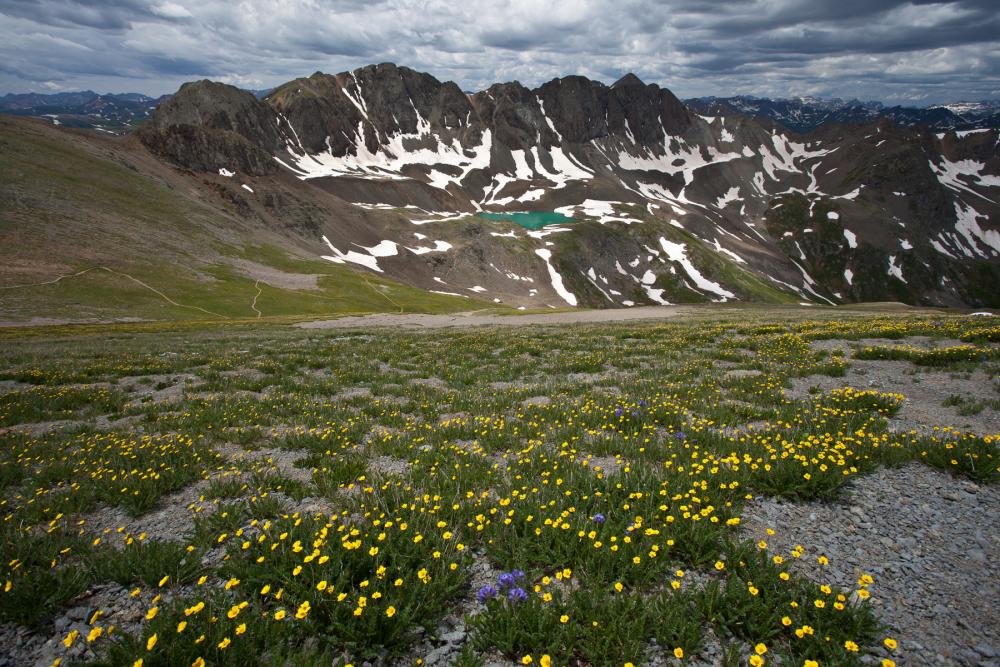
<point x="579" y="334"/>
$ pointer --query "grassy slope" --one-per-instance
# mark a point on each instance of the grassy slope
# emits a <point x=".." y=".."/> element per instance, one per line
<point x="64" y="208"/>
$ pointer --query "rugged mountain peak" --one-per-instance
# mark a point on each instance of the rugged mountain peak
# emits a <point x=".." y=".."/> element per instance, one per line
<point x="318" y="84"/>
<point x="664" y="197"/>
<point x="210" y="104"/>
<point x="364" y="108"/>
<point x="209" y="126"/>
<point x="629" y="79"/>
<point x="513" y="114"/>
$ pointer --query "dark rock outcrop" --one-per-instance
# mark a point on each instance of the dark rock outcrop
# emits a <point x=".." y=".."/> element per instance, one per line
<point x="207" y="126"/>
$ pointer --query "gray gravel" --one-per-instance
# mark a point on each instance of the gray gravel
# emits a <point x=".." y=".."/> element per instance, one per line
<point x="925" y="388"/>
<point x="930" y="541"/>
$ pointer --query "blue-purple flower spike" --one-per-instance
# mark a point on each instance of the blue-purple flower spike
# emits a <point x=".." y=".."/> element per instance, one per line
<point x="517" y="595"/>
<point x="487" y="592"/>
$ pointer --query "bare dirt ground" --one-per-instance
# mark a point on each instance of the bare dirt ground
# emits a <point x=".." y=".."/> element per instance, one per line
<point x="276" y="277"/>
<point x="476" y="319"/>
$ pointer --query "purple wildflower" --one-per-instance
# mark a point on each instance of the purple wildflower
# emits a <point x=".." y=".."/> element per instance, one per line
<point x="517" y="595"/>
<point x="507" y="580"/>
<point x="487" y="592"/>
<point x="598" y="518"/>
<point x="518" y="574"/>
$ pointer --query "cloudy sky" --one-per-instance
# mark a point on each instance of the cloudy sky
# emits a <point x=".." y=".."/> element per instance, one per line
<point x="898" y="52"/>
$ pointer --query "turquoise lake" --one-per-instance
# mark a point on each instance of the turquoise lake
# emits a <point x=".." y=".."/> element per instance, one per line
<point x="530" y="219"/>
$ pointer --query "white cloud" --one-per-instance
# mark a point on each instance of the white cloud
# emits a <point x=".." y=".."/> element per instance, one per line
<point x="171" y="10"/>
<point x="875" y="49"/>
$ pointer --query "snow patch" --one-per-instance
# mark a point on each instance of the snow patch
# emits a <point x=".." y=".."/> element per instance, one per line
<point x="382" y="249"/>
<point x="894" y="269"/>
<point x="968" y="226"/>
<point x="603" y="211"/>
<point x="353" y="256"/>
<point x="677" y="157"/>
<point x="389" y="159"/>
<point x="718" y="248"/>
<point x="677" y="252"/>
<point x="557" y="280"/>
<point x="731" y="195"/>
<point x="941" y="249"/>
<point x="547" y="231"/>
<point x="439" y="246"/>
<point x="965" y="133"/>
<point x="951" y="175"/>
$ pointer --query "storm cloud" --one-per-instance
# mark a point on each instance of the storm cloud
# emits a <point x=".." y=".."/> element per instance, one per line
<point x="897" y="52"/>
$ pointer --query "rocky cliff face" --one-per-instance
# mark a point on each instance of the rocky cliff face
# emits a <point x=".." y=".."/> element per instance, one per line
<point x="669" y="205"/>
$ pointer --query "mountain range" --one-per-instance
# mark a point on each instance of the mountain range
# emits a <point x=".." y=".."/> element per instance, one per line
<point x="394" y="174"/>
<point x="124" y="112"/>
<point x="805" y="114"/>
<point x="112" y="113"/>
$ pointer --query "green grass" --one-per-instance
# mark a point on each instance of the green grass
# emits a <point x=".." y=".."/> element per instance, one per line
<point x="69" y="206"/>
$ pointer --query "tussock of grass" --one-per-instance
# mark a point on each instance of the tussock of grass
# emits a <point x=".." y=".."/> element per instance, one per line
<point x="942" y="356"/>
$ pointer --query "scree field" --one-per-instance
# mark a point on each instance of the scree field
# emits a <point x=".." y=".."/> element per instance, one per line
<point x="745" y="488"/>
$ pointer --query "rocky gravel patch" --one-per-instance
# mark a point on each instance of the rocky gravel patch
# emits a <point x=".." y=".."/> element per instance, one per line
<point x="113" y="603"/>
<point x="172" y="519"/>
<point x="925" y="391"/>
<point x="282" y="461"/>
<point x="847" y="346"/>
<point x="930" y="541"/>
<point x="388" y="465"/>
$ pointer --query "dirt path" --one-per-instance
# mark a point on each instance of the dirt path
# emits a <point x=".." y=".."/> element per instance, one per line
<point x="117" y="273"/>
<point x="474" y="319"/>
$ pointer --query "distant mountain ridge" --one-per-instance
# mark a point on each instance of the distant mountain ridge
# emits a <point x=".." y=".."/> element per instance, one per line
<point x="112" y="112"/>
<point x="804" y="114"/>
<point x="122" y="112"/>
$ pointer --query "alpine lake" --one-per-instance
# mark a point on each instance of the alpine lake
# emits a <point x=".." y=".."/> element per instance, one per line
<point x="530" y="219"/>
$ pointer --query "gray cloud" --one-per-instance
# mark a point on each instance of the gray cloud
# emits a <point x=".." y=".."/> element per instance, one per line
<point x="893" y="50"/>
